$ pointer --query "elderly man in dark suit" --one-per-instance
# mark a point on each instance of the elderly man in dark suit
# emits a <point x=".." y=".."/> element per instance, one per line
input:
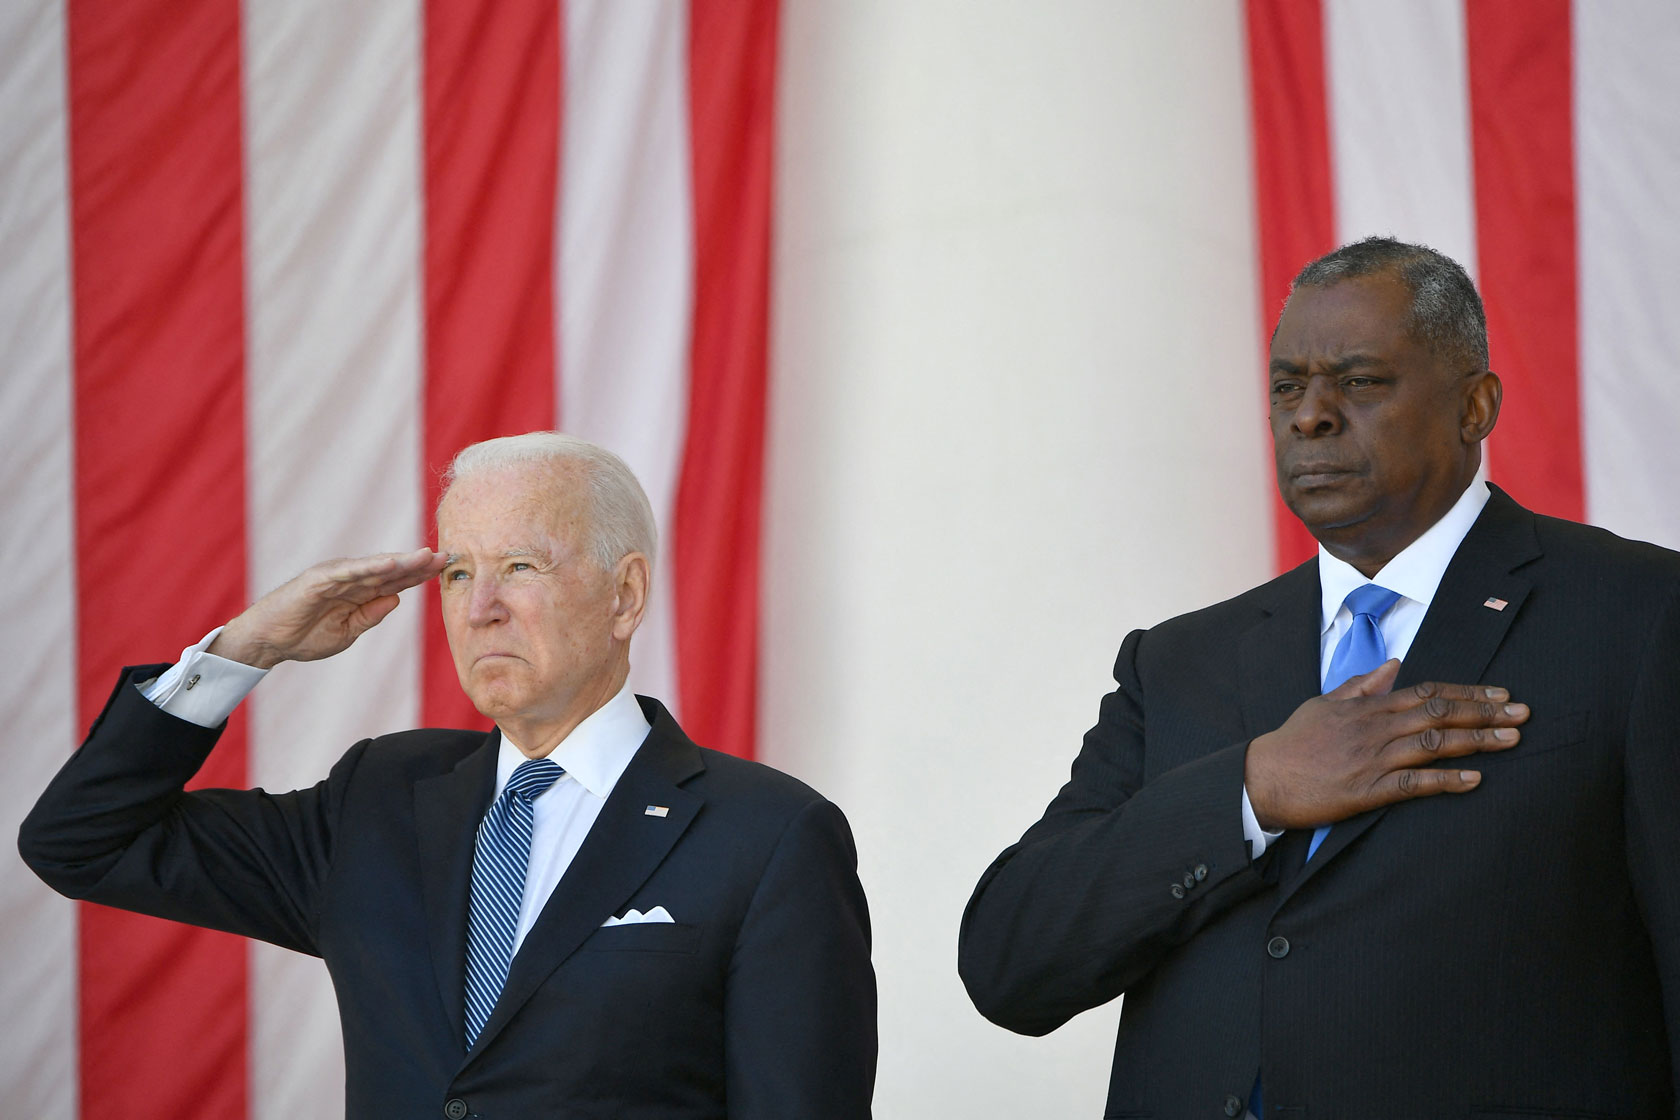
<point x="581" y="913"/>
<point x="1395" y="834"/>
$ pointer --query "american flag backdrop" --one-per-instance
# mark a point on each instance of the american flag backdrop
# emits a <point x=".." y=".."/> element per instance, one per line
<point x="1537" y="142"/>
<point x="265" y="264"/>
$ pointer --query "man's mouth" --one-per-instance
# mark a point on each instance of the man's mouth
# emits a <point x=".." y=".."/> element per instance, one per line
<point x="1310" y="475"/>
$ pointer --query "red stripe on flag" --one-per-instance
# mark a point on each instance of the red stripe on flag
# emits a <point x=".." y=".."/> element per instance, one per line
<point x="492" y="137"/>
<point x="715" y="525"/>
<point x="157" y="226"/>
<point x="1522" y="138"/>
<point x="1292" y="185"/>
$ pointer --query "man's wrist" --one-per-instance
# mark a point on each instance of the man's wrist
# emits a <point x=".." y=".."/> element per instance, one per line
<point x="1257" y="837"/>
<point x="202" y="687"/>
<point x="231" y="644"/>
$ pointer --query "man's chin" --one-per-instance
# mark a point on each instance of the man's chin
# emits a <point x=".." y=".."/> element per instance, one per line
<point x="495" y="696"/>
<point x="1326" y="510"/>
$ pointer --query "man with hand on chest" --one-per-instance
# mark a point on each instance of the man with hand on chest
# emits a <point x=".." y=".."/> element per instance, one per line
<point x="1394" y="834"/>
<point x="581" y="913"/>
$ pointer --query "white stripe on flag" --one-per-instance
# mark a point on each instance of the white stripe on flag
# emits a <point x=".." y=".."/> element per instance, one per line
<point x="625" y="265"/>
<point x="38" y="688"/>
<point x="333" y="368"/>
<point x="1398" y="94"/>
<point x="1627" y="165"/>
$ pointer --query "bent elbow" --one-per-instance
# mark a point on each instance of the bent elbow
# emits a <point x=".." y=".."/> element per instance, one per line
<point x="1010" y="1001"/>
<point x="44" y="852"/>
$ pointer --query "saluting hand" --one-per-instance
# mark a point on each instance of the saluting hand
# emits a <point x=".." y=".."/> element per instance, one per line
<point x="1361" y="746"/>
<point x="325" y="608"/>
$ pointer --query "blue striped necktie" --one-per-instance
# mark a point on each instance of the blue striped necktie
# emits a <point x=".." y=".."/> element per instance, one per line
<point x="498" y="886"/>
<point x="1360" y="650"/>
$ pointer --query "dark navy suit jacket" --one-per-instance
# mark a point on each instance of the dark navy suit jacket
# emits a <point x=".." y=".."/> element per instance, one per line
<point x="758" y="1002"/>
<point x="1514" y="951"/>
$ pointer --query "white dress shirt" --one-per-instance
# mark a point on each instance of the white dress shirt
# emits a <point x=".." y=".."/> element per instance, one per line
<point x="1415" y="573"/>
<point x="203" y="688"/>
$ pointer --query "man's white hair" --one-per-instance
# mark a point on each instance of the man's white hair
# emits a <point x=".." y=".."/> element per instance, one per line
<point x="620" y="516"/>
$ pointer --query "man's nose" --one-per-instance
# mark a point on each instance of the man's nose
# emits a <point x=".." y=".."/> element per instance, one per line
<point x="484" y="602"/>
<point x="1319" y="412"/>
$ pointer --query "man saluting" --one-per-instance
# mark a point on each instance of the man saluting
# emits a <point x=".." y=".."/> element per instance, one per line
<point x="581" y="913"/>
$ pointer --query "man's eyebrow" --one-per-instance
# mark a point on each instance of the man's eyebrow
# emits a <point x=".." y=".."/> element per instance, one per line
<point x="1354" y="361"/>
<point x="1340" y="365"/>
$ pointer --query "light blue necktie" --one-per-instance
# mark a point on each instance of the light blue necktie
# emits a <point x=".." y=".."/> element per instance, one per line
<point x="498" y="886"/>
<point x="1360" y="650"/>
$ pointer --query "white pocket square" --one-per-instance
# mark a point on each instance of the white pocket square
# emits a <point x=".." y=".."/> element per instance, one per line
<point x="631" y="917"/>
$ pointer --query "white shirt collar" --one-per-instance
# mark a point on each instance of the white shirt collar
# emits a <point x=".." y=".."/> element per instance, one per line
<point x="596" y="752"/>
<point x="1416" y="572"/>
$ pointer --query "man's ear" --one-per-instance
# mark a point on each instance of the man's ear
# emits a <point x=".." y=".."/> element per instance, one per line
<point x="1482" y="394"/>
<point x="631" y="578"/>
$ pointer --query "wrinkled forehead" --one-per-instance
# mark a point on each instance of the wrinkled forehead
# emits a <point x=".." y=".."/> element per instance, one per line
<point x="531" y="502"/>
<point x="1367" y="315"/>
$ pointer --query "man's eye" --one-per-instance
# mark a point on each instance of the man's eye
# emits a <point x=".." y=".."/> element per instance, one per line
<point x="454" y="575"/>
<point x="520" y="566"/>
<point x="1285" y="388"/>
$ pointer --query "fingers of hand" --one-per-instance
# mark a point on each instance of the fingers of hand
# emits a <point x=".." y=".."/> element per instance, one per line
<point x="1438" y="709"/>
<point x="1440" y="742"/>
<point x="372" y="613"/>
<point x="1437" y="690"/>
<point x="1401" y="785"/>
<point x="367" y="577"/>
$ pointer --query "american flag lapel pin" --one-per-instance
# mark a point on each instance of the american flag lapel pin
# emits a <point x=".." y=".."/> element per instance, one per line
<point x="1495" y="604"/>
<point x="657" y="811"/>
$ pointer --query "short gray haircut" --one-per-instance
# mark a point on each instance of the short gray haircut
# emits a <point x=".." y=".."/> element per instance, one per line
<point x="1447" y="312"/>
<point x="620" y="515"/>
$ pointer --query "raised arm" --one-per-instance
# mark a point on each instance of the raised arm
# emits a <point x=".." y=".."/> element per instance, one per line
<point x="322" y="610"/>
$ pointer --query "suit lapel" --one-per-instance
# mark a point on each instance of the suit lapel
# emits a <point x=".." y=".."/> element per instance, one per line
<point x="1460" y="633"/>
<point x="624" y="847"/>
<point x="1278" y="666"/>
<point x="447" y="811"/>
<point x="1278" y="656"/>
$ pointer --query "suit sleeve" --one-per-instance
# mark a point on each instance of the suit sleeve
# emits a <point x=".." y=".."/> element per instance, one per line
<point x="1117" y="872"/>
<point x="799" y="1014"/>
<point x="1651" y="798"/>
<point x="115" y="826"/>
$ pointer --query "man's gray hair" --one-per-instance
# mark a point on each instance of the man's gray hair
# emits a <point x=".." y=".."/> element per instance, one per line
<point x="620" y="516"/>
<point x="1446" y="310"/>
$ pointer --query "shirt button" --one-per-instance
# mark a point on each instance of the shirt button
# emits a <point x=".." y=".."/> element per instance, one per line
<point x="1233" y="1105"/>
<point x="1201" y="872"/>
<point x="1278" y="947"/>
<point x="455" y="1108"/>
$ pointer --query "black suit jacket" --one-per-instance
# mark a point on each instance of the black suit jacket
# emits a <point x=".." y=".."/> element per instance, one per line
<point x="1514" y="951"/>
<point x="759" y="1001"/>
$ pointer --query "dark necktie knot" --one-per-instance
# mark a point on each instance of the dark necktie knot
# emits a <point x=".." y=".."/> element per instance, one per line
<point x="531" y="779"/>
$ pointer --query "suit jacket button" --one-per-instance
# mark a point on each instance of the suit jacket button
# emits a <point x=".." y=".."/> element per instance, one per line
<point x="455" y="1108"/>
<point x="1201" y="872"/>
<point x="1233" y="1105"/>
<point x="1189" y="880"/>
<point x="1177" y="891"/>
<point x="1278" y="947"/>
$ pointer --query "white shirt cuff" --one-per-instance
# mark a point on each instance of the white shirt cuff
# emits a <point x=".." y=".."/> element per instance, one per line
<point x="202" y="688"/>
<point x="1258" y="838"/>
